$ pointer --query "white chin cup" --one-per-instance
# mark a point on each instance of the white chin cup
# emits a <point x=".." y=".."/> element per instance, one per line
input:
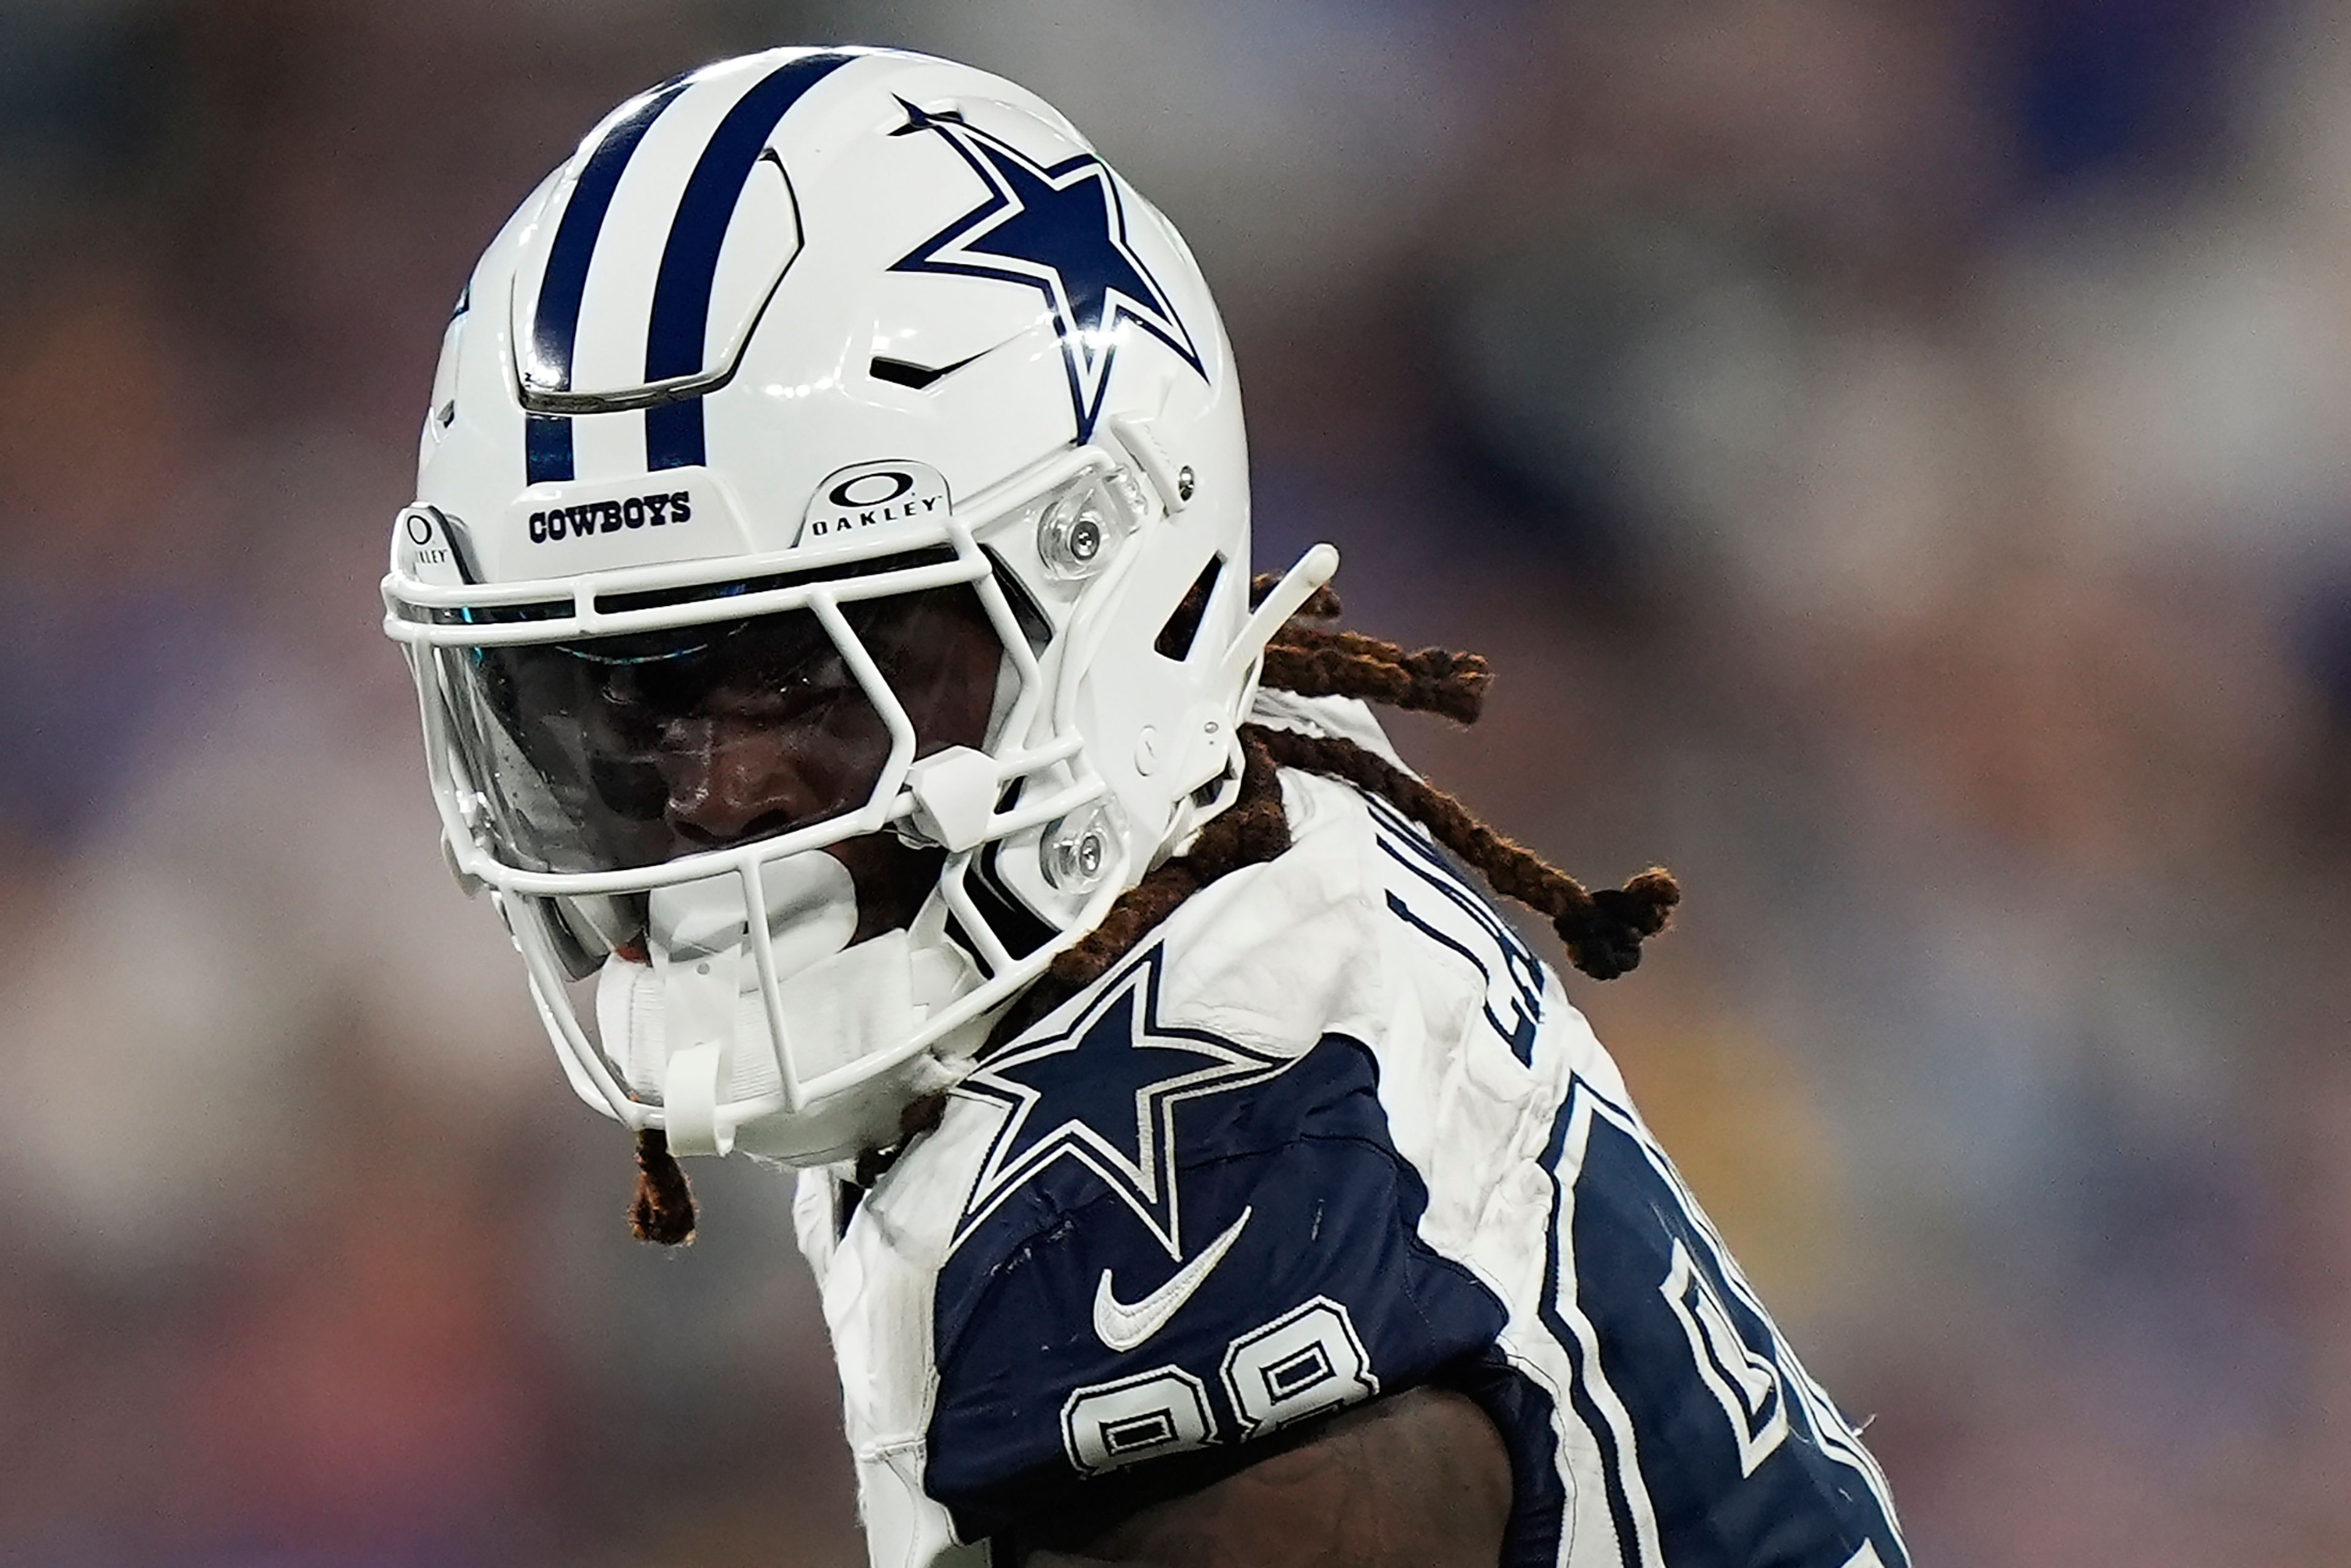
<point x="692" y="1027"/>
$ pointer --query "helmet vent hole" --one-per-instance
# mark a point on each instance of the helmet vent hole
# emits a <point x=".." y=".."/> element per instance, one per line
<point x="1014" y="924"/>
<point x="1031" y="620"/>
<point x="962" y="938"/>
<point x="906" y="374"/>
<point x="1183" y="629"/>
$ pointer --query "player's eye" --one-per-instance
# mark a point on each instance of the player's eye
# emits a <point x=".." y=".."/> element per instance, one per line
<point x="623" y="705"/>
<point x="781" y="697"/>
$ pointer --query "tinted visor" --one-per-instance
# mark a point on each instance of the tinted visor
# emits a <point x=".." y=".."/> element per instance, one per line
<point x="616" y="753"/>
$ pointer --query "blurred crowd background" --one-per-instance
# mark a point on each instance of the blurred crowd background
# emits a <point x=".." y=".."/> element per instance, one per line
<point x="1895" y="450"/>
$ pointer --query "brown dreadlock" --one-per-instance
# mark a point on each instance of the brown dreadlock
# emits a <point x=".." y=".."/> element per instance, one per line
<point x="662" y="1209"/>
<point x="1602" y="931"/>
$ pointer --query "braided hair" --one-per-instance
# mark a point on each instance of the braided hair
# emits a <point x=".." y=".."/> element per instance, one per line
<point x="1603" y="930"/>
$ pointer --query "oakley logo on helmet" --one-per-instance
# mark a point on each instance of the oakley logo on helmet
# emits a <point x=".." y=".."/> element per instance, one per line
<point x="892" y="484"/>
<point x="870" y="495"/>
<point x="610" y="516"/>
<point x="426" y="545"/>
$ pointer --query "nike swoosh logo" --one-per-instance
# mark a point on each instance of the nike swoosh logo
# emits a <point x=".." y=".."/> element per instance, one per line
<point x="1123" y="1327"/>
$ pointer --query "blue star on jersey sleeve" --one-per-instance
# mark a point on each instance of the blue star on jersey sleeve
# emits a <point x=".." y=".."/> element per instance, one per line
<point x="1070" y="1340"/>
<point x="1103" y="1094"/>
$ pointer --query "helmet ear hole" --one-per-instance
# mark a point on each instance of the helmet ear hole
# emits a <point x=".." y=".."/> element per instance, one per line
<point x="1183" y="627"/>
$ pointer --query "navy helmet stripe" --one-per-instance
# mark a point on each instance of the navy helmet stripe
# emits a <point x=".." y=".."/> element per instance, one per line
<point x="556" y="329"/>
<point x="546" y="448"/>
<point x="674" y="434"/>
<point x="555" y="326"/>
<point x="689" y="267"/>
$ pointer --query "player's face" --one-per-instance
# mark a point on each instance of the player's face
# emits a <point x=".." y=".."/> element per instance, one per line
<point x="614" y="753"/>
<point x="783" y="735"/>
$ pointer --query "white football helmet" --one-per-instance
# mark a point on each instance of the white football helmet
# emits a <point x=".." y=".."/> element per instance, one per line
<point x="808" y="369"/>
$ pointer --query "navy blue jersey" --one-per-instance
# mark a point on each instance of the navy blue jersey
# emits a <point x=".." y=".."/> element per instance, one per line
<point x="1334" y="1132"/>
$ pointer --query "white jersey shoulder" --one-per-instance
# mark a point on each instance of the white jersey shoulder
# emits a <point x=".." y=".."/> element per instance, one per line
<point x="1334" y="1131"/>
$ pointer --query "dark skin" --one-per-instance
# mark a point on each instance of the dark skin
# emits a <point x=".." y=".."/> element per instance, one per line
<point x="745" y="734"/>
<point x="784" y="735"/>
<point x="1418" y="1480"/>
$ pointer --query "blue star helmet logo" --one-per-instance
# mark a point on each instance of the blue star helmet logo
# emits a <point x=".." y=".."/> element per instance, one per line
<point x="1062" y="231"/>
<point x="1103" y="1094"/>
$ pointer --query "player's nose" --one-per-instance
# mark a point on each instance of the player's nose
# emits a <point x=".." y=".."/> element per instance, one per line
<point x="728" y="782"/>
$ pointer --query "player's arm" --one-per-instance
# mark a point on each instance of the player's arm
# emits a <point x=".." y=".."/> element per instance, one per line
<point x="1417" y="1480"/>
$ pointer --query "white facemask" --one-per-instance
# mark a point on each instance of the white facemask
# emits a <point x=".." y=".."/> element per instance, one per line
<point x="691" y="1027"/>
